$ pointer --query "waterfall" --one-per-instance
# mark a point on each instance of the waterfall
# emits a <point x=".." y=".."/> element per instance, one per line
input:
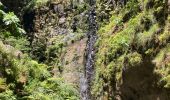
<point x="86" y="79"/>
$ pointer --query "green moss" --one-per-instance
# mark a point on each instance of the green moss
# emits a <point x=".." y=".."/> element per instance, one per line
<point x="159" y="57"/>
<point x="114" y="20"/>
<point x="39" y="3"/>
<point x="167" y="80"/>
<point x="135" y="59"/>
<point x="135" y="38"/>
<point x="165" y="36"/>
<point x="163" y="66"/>
<point x="112" y="50"/>
<point x="34" y="4"/>
<point x="147" y="36"/>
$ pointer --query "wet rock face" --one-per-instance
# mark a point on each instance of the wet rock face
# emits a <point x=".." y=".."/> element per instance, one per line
<point x="58" y="8"/>
<point x="62" y="31"/>
<point x="62" y="20"/>
<point x="43" y="20"/>
<point x="50" y="21"/>
<point x="90" y="53"/>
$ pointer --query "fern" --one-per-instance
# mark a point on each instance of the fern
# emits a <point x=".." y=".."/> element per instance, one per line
<point x="10" y="18"/>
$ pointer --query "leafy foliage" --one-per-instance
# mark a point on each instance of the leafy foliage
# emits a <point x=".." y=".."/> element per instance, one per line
<point x="10" y="18"/>
<point x="22" y="78"/>
<point x="51" y="89"/>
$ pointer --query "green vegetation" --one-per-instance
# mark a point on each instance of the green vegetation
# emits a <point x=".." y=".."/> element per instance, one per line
<point x="132" y="35"/>
<point x="21" y="77"/>
<point x="33" y="4"/>
<point x="132" y="51"/>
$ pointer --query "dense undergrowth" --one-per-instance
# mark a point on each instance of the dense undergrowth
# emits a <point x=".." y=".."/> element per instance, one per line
<point x="136" y="32"/>
<point x="21" y="77"/>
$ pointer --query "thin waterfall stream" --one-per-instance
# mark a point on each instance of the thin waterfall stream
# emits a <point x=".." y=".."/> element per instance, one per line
<point x="86" y="79"/>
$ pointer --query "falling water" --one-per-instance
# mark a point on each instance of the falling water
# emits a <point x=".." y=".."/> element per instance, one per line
<point x="86" y="79"/>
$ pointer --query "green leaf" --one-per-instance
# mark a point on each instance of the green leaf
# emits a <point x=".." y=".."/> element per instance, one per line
<point x="10" y="18"/>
